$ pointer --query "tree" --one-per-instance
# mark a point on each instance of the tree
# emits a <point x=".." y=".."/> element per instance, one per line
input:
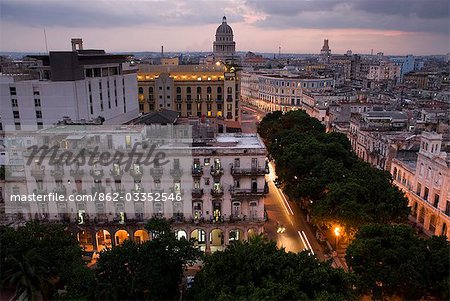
<point x="391" y="260"/>
<point x="151" y="270"/>
<point x="62" y="254"/>
<point x="258" y="270"/>
<point x="26" y="271"/>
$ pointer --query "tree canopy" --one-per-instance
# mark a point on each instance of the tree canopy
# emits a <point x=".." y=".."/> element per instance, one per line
<point x="392" y="260"/>
<point x="258" y="270"/>
<point x="320" y="170"/>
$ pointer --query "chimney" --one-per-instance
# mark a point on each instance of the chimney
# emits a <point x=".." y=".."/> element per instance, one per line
<point x="162" y="50"/>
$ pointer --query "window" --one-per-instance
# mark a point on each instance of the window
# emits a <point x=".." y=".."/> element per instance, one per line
<point x="37" y="102"/>
<point x="179" y="90"/>
<point x="16" y="114"/>
<point x="38" y="114"/>
<point x="150" y="90"/>
<point x="141" y="90"/>
<point x="419" y="189"/>
<point x="425" y="194"/>
<point x="436" y="200"/>
<point x="14" y="103"/>
<point x="40" y="125"/>
<point x="12" y="91"/>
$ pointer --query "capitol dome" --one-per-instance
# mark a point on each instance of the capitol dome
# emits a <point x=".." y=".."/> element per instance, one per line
<point x="224" y="28"/>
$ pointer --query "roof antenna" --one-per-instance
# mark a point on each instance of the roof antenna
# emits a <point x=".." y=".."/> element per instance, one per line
<point x="45" y="37"/>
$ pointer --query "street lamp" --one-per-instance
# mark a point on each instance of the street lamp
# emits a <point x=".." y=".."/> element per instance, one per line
<point x="337" y="233"/>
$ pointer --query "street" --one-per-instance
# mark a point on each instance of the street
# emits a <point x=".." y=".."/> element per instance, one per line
<point x="281" y="212"/>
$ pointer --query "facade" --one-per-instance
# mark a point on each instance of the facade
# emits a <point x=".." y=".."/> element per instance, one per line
<point x="273" y="92"/>
<point x="224" y="47"/>
<point x="384" y="71"/>
<point x="191" y="90"/>
<point x="80" y="85"/>
<point x="213" y="188"/>
<point x="424" y="176"/>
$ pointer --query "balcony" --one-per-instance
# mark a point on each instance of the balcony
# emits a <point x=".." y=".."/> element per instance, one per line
<point x="58" y="172"/>
<point x="138" y="190"/>
<point x="136" y="173"/>
<point x="157" y="190"/>
<point x="61" y="189"/>
<point x="216" y="171"/>
<point x="176" y="191"/>
<point x="97" y="173"/>
<point x="242" y="192"/>
<point x="176" y="172"/>
<point x="98" y="189"/>
<point x="254" y="171"/>
<point x="116" y="172"/>
<point x="219" y="100"/>
<point x="77" y="172"/>
<point x="197" y="171"/>
<point x="197" y="193"/>
<point x="156" y="172"/>
<point x="217" y="192"/>
<point x="40" y="191"/>
<point x="38" y="172"/>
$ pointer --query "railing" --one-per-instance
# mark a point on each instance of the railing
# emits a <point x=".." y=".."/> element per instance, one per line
<point x="217" y="192"/>
<point x="116" y="172"/>
<point x="97" y="173"/>
<point x="136" y="173"/>
<point x="156" y="172"/>
<point x="254" y="171"/>
<point x="57" y="172"/>
<point x="216" y="171"/>
<point x="197" y="171"/>
<point x="38" y="172"/>
<point x="197" y="193"/>
<point x="236" y="192"/>
<point x="77" y="172"/>
<point x="176" y="172"/>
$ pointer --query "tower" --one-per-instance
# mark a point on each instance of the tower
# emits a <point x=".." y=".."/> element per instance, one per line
<point x="325" y="52"/>
<point x="77" y="42"/>
<point x="224" y="46"/>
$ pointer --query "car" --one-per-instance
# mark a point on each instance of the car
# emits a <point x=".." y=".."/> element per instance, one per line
<point x="277" y="182"/>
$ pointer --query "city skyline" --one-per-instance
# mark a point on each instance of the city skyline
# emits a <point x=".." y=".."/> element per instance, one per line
<point x="395" y="28"/>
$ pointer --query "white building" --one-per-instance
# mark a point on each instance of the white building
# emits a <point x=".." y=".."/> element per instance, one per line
<point x="424" y="176"/>
<point x="224" y="47"/>
<point x="81" y="85"/>
<point x="214" y="189"/>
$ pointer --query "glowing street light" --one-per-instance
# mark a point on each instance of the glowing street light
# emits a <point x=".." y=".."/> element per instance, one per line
<point x="337" y="232"/>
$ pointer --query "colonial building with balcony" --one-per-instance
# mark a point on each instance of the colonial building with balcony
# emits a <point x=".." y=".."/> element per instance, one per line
<point x="424" y="176"/>
<point x="213" y="190"/>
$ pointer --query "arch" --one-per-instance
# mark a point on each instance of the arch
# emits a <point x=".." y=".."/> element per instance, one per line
<point x="188" y="90"/>
<point x="236" y="235"/>
<point x="141" y="236"/>
<point x="141" y="90"/>
<point x="219" y="90"/>
<point x="150" y="90"/>
<point x="199" y="237"/>
<point x="120" y="236"/>
<point x="208" y="90"/>
<point x="432" y="225"/>
<point x="103" y="238"/>
<point x="84" y="237"/>
<point x="252" y="232"/>
<point x="199" y="90"/>
<point x="216" y="239"/>
<point x="229" y="90"/>
<point x="180" y="233"/>
<point x="444" y="229"/>
<point x="178" y="90"/>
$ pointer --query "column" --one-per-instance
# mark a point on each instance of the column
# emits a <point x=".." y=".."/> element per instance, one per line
<point x="207" y="241"/>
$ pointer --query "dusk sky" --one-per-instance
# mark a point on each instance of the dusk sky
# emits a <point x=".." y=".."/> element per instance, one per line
<point x="299" y="26"/>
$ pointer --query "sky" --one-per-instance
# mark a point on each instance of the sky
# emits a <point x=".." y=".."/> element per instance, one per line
<point x="395" y="27"/>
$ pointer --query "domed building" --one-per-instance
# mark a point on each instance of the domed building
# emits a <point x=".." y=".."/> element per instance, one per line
<point x="224" y="47"/>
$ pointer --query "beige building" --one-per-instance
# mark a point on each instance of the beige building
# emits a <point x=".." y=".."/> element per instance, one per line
<point x="191" y="90"/>
<point x="424" y="176"/>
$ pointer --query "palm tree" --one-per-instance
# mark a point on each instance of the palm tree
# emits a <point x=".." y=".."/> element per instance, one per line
<point x="27" y="271"/>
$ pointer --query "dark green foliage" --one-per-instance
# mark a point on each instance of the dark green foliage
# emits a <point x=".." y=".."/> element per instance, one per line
<point x="43" y="254"/>
<point x="391" y="260"/>
<point x="148" y="271"/>
<point x="320" y="170"/>
<point x="257" y="270"/>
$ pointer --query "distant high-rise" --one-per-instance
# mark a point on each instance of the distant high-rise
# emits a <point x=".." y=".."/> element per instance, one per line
<point x="325" y="52"/>
<point x="224" y="46"/>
